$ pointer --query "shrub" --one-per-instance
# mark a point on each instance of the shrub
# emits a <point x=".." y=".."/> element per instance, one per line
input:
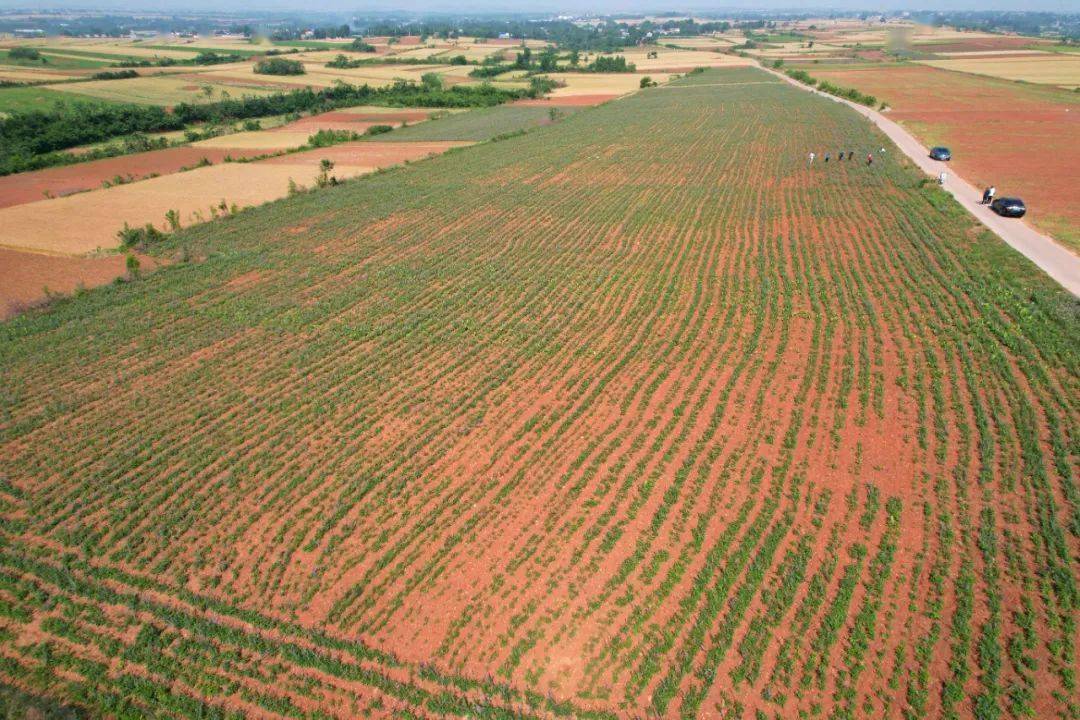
<point x="25" y="53"/>
<point x="610" y="64"/>
<point x="432" y="81"/>
<point x="279" y="66"/>
<point x="358" y="45"/>
<point x="647" y="82"/>
<point x="378" y="129"/>
<point x="115" y="75"/>
<point x="344" y="63"/>
<point x="139" y="237"/>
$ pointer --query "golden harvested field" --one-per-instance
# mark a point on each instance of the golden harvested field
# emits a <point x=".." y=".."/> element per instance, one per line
<point x="106" y="46"/>
<point x="158" y="90"/>
<point x="699" y="41"/>
<point x="82" y="223"/>
<point x="602" y="83"/>
<point x="86" y="222"/>
<point x="257" y="140"/>
<point x="679" y="60"/>
<point x="1044" y="69"/>
<point x="879" y="34"/>
<point x="15" y="73"/>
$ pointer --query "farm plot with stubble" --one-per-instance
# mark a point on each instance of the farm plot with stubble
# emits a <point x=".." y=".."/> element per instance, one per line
<point x="635" y="414"/>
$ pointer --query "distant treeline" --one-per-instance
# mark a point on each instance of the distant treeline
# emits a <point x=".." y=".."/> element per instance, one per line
<point x="34" y="140"/>
<point x="602" y="36"/>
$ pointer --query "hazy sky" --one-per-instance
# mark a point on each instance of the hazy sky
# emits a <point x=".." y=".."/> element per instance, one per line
<point x="569" y="6"/>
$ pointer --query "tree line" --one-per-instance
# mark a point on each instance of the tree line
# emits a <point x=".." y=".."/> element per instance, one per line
<point x="37" y="139"/>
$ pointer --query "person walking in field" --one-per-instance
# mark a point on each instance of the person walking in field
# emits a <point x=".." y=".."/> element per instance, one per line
<point x="840" y="156"/>
<point x="869" y="158"/>
<point x="826" y="157"/>
<point x="851" y="155"/>
<point x="812" y="156"/>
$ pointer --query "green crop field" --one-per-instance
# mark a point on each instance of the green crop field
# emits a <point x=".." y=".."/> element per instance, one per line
<point x="24" y="99"/>
<point x="477" y="125"/>
<point x="635" y="414"/>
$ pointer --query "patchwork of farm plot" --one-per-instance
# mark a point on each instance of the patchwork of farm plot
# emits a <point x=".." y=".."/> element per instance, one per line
<point x="1017" y="137"/>
<point x="634" y="414"/>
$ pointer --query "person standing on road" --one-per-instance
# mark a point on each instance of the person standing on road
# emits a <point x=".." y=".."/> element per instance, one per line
<point x="985" y="197"/>
<point x="991" y="192"/>
<point x="812" y="156"/>
<point x="942" y="177"/>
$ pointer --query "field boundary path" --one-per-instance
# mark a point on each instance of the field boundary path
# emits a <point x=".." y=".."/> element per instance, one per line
<point x="1054" y="259"/>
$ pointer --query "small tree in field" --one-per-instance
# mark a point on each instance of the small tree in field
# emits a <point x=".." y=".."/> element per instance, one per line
<point x="324" y="178"/>
<point x="132" y="265"/>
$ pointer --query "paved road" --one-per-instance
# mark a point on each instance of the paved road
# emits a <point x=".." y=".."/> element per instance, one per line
<point x="1057" y="262"/>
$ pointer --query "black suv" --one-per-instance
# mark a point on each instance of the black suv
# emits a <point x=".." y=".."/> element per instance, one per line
<point x="1009" y="207"/>
<point x="940" y="153"/>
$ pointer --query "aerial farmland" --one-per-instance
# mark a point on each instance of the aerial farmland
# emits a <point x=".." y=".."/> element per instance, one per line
<point x="551" y="382"/>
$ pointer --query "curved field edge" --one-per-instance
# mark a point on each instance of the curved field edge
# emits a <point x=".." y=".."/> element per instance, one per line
<point x="596" y="393"/>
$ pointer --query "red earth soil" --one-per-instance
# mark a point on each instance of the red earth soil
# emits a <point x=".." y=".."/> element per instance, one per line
<point x="569" y="100"/>
<point x="25" y="276"/>
<point x="976" y="44"/>
<point x="352" y="121"/>
<point x="969" y="113"/>
<point x="368" y="154"/>
<point x="69" y="179"/>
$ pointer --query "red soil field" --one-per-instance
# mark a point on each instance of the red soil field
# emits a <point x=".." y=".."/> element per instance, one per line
<point x="1012" y="135"/>
<point x="25" y="276"/>
<point x="357" y="122"/>
<point x="982" y="43"/>
<point x="59" y="181"/>
<point x="569" y="100"/>
<point x="368" y="154"/>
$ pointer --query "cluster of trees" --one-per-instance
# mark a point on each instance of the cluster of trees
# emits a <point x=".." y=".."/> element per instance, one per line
<point x="115" y="75"/>
<point x="319" y="33"/>
<point x="279" y="66"/>
<point x="360" y="45"/>
<point x="26" y="54"/>
<point x="207" y="57"/>
<point x="29" y="141"/>
<point x="548" y="62"/>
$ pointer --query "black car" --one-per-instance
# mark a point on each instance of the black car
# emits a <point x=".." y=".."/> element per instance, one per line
<point x="1009" y="207"/>
<point x="940" y="153"/>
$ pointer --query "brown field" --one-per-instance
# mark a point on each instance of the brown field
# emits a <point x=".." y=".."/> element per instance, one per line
<point x="570" y="100"/>
<point x="975" y="44"/>
<point x="70" y="179"/>
<point x="971" y="115"/>
<point x="28" y="279"/>
<point x="371" y="155"/>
